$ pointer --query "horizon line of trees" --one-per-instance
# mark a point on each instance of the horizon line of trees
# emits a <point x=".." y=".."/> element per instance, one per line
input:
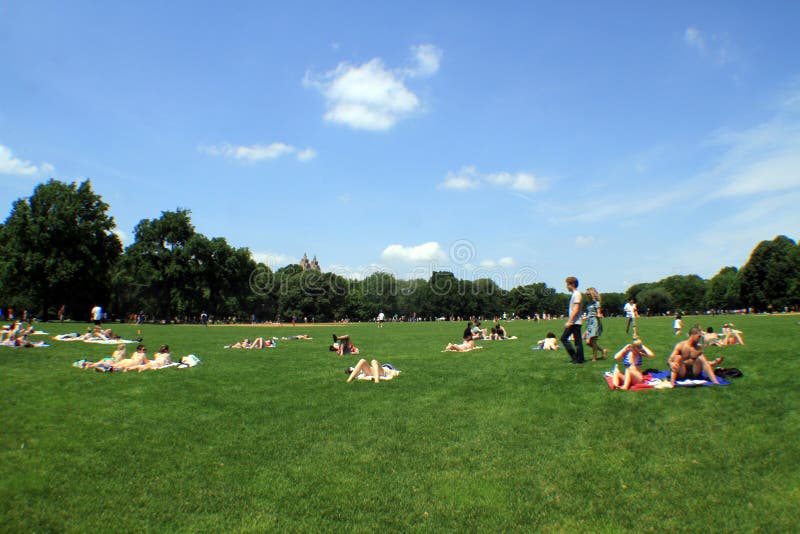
<point x="58" y="248"/>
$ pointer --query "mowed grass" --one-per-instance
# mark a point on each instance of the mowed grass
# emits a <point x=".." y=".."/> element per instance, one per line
<point x="500" y="439"/>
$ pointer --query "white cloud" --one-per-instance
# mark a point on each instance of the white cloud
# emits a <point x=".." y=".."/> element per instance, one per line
<point x="273" y="260"/>
<point x="507" y="261"/>
<point x="428" y="57"/>
<point x="466" y="178"/>
<point x="17" y="167"/>
<point x="254" y="153"/>
<point x="716" y="46"/>
<point x="427" y="252"/>
<point x="307" y="154"/>
<point x="370" y="96"/>
<point x="693" y="39"/>
<point x="584" y="241"/>
<point x="469" y="178"/>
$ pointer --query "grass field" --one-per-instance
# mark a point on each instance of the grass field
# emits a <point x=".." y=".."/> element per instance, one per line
<point x="500" y="439"/>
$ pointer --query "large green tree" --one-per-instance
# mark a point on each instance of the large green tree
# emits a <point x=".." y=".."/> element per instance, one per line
<point x="769" y="278"/>
<point x="58" y="247"/>
<point x="722" y="291"/>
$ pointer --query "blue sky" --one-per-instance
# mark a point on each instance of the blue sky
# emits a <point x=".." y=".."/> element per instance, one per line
<point x="525" y="141"/>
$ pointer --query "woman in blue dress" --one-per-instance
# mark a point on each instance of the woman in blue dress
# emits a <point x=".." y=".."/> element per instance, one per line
<point x="594" y="327"/>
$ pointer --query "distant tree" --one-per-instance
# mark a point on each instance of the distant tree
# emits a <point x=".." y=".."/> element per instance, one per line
<point x="722" y="291"/>
<point x="769" y="278"/>
<point x="655" y="300"/>
<point x="612" y="303"/>
<point x="58" y="247"/>
<point x="687" y="291"/>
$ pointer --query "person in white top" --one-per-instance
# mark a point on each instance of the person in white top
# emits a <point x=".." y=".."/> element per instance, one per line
<point x="572" y="328"/>
<point x="631" y="312"/>
<point x="97" y="314"/>
<point x="381" y="319"/>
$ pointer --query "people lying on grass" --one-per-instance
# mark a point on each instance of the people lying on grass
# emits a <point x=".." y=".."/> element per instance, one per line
<point x="594" y="326"/>
<point x="687" y="360"/>
<point x="710" y="337"/>
<point x="23" y="341"/>
<point x="465" y="346"/>
<point x="257" y="343"/>
<point x="105" y="334"/>
<point x="299" y="336"/>
<point x="550" y="342"/>
<point x="116" y="357"/>
<point x="731" y="336"/>
<point x="371" y="371"/>
<point x="138" y="358"/>
<point x="631" y="356"/>
<point x="160" y="359"/>
<point x="343" y="345"/>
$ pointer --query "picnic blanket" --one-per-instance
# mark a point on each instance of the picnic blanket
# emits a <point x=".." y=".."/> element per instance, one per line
<point x="661" y="380"/>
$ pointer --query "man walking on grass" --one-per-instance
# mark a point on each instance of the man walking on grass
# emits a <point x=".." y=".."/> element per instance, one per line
<point x="572" y="328"/>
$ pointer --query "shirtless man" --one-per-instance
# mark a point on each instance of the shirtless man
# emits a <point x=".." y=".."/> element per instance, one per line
<point x="687" y="360"/>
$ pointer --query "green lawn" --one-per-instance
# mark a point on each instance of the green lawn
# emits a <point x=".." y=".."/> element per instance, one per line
<point x="500" y="439"/>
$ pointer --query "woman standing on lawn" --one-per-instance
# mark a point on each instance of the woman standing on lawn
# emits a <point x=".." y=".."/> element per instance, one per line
<point x="594" y="327"/>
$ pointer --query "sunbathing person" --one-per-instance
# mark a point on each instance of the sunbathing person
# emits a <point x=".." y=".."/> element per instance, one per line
<point x="343" y="345"/>
<point x="478" y="332"/>
<point x="371" y="371"/>
<point x="550" y="342"/>
<point x="732" y="337"/>
<point x="687" y="360"/>
<point x="116" y="357"/>
<point x="631" y="356"/>
<point x="160" y="359"/>
<point x="711" y="338"/>
<point x="138" y="358"/>
<point x="299" y="336"/>
<point x="261" y="343"/>
<point x="499" y="332"/>
<point x="465" y="346"/>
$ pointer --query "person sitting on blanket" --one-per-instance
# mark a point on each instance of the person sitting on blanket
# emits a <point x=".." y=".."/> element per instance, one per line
<point x="499" y="332"/>
<point x="631" y="356"/>
<point x="139" y="357"/>
<point x="550" y="342"/>
<point x="732" y="337"/>
<point x="711" y="338"/>
<point x="478" y="332"/>
<point x="371" y="371"/>
<point x="342" y="345"/>
<point x="687" y="360"/>
<point x="160" y="359"/>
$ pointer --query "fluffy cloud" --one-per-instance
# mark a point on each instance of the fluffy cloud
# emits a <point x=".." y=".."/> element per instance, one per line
<point x="16" y="167"/>
<point x="584" y="241"/>
<point x="469" y="178"/>
<point x="254" y="153"/>
<point x="426" y="252"/>
<point x="273" y="260"/>
<point x="693" y="39"/>
<point x="371" y="96"/>
<point x="466" y="178"/>
<point x="507" y="261"/>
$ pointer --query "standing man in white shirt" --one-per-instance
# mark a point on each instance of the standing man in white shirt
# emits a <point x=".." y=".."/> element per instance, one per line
<point x="381" y="319"/>
<point x="572" y="328"/>
<point x="97" y="315"/>
<point x="631" y="311"/>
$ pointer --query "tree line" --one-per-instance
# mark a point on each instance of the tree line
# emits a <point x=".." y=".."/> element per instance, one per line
<point x="58" y="248"/>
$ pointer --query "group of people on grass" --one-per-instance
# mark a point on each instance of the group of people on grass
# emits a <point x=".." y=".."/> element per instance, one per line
<point x="119" y="360"/>
<point x="17" y="335"/>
